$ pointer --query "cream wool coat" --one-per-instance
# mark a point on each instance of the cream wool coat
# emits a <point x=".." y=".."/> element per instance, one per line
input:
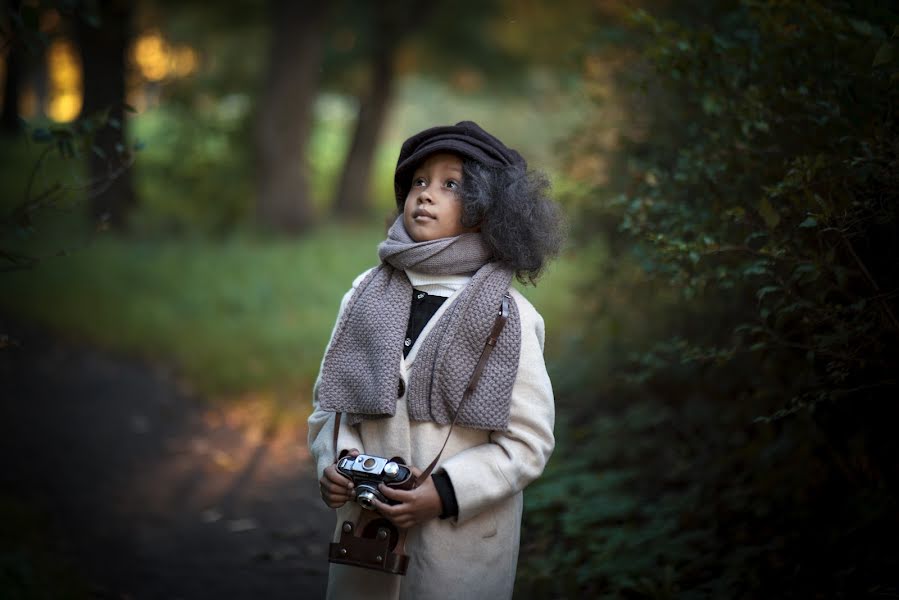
<point x="475" y="554"/>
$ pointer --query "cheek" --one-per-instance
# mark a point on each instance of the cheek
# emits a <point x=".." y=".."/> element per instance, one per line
<point x="408" y="207"/>
<point x="455" y="210"/>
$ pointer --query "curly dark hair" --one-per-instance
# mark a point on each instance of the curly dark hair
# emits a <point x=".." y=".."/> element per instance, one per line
<point x="519" y="220"/>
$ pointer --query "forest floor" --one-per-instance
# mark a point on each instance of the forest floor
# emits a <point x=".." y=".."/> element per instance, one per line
<point x="136" y="491"/>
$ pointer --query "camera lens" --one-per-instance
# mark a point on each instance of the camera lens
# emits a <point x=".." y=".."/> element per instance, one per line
<point x="364" y="499"/>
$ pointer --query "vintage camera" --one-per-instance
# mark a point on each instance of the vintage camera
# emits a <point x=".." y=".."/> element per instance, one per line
<point x="372" y="541"/>
<point x="366" y="472"/>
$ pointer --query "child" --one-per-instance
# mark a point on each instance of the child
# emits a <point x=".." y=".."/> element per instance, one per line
<point x="408" y="336"/>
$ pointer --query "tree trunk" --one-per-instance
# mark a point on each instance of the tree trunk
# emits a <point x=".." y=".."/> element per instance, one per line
<point x="103" y="56"/>
<point x="284" y="118"/>
<point x="9" y="119"/>
<point x="353" y="192"/>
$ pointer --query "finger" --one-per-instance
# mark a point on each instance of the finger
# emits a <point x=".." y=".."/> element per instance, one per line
<point x="390" y="511"/>
<point x="354" y="452"/>
<point x="398" y="495"/>
<point x="332" y="487"/>
<point x="415" y="471"/>
<point x="334" y="475"/>
<point x="337" y="478"/>
<point x="341" y="482"/>
<point x="333" y="500"/>
<point x="338" y="495"/>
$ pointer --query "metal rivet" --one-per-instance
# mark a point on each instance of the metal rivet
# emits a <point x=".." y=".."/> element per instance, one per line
<point x="343" y="551"/>
<point x="408" y="342"/>
<point x="382" y="534"/>
<point x="379" y="558"/>
<point x="347" y="527"/>
<point x="420" y="296"/>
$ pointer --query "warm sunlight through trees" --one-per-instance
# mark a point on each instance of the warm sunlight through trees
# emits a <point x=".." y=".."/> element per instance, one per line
<point x="156" y="59"/>
<point x="66" y="88"/>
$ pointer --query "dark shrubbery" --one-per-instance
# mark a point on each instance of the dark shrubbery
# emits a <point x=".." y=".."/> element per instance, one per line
<point x="751" y="454"/>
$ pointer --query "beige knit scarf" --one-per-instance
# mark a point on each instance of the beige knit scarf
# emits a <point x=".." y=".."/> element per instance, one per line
<point x="361" y="370"/>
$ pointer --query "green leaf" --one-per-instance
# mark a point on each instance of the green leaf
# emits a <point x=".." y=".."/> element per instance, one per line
<point x="884" y="55"/>
<point x="768" y="289"/>
<point x="769" y="213"/>
<point x="41" y="135"/>
<point x="759" y="267"/>
<point x="808" y="223"/>
<point x="862" y="27"/>
<point x="805" y="272"/>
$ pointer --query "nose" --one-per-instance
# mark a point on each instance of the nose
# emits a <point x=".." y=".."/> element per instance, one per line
<point x="425" y="196"/>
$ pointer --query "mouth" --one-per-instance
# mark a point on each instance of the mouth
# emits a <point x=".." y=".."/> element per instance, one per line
<point x="420" y="212"/>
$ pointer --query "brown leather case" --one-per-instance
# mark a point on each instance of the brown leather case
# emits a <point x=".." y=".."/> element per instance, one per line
<point x="369" y="552"/>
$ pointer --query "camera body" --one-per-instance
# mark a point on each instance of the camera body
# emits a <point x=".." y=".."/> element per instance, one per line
<point x="366" y="472"/>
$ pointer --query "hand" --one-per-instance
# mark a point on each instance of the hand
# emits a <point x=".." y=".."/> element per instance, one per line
<point x="336" y="489"/>
<point x="415" y="506"/>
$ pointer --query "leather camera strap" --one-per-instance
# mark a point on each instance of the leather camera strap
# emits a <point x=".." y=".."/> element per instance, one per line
<point x="492" y="338"/>
<point x="498" y="325"/>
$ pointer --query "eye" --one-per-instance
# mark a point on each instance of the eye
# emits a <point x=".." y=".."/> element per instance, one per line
<point x="452" y="184"/>
<point x="419" y="181"/>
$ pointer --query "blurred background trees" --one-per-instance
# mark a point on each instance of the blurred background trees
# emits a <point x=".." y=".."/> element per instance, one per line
<point x="104" y="38"/>
<point x="721" y="330"/>
<point x="284" y="119"/>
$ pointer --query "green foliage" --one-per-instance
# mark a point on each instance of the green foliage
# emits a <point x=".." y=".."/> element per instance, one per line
<point x="782" y="189"/>
<point x="45" y="182"/>
<point x="196" y="174"/>
<point x="742" y="448"/>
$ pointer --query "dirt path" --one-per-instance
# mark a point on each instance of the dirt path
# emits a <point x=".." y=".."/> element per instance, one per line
<point x="149" y="494"/>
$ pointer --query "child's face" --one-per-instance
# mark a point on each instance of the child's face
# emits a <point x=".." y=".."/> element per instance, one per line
<point x="433" y="208"/>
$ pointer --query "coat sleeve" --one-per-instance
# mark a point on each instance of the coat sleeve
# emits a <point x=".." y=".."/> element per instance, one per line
<point x="490" y="472"/>
<point x="321" y="423"/>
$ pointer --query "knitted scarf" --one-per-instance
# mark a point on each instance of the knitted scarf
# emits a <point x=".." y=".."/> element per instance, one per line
<point x="361" y="369"/>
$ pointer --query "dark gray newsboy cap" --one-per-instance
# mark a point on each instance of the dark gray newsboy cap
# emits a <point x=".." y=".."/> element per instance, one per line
<point x="465" y="138"/>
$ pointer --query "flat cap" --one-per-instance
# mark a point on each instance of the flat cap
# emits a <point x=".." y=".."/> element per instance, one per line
<point x="465" y="138"/>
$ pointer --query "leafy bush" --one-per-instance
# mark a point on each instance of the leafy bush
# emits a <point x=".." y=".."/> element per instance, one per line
<point x="748" y="452"/>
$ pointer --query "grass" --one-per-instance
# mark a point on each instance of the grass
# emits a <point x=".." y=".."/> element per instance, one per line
<point x="241" y="315"/>
<point x="233" y="315"/>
